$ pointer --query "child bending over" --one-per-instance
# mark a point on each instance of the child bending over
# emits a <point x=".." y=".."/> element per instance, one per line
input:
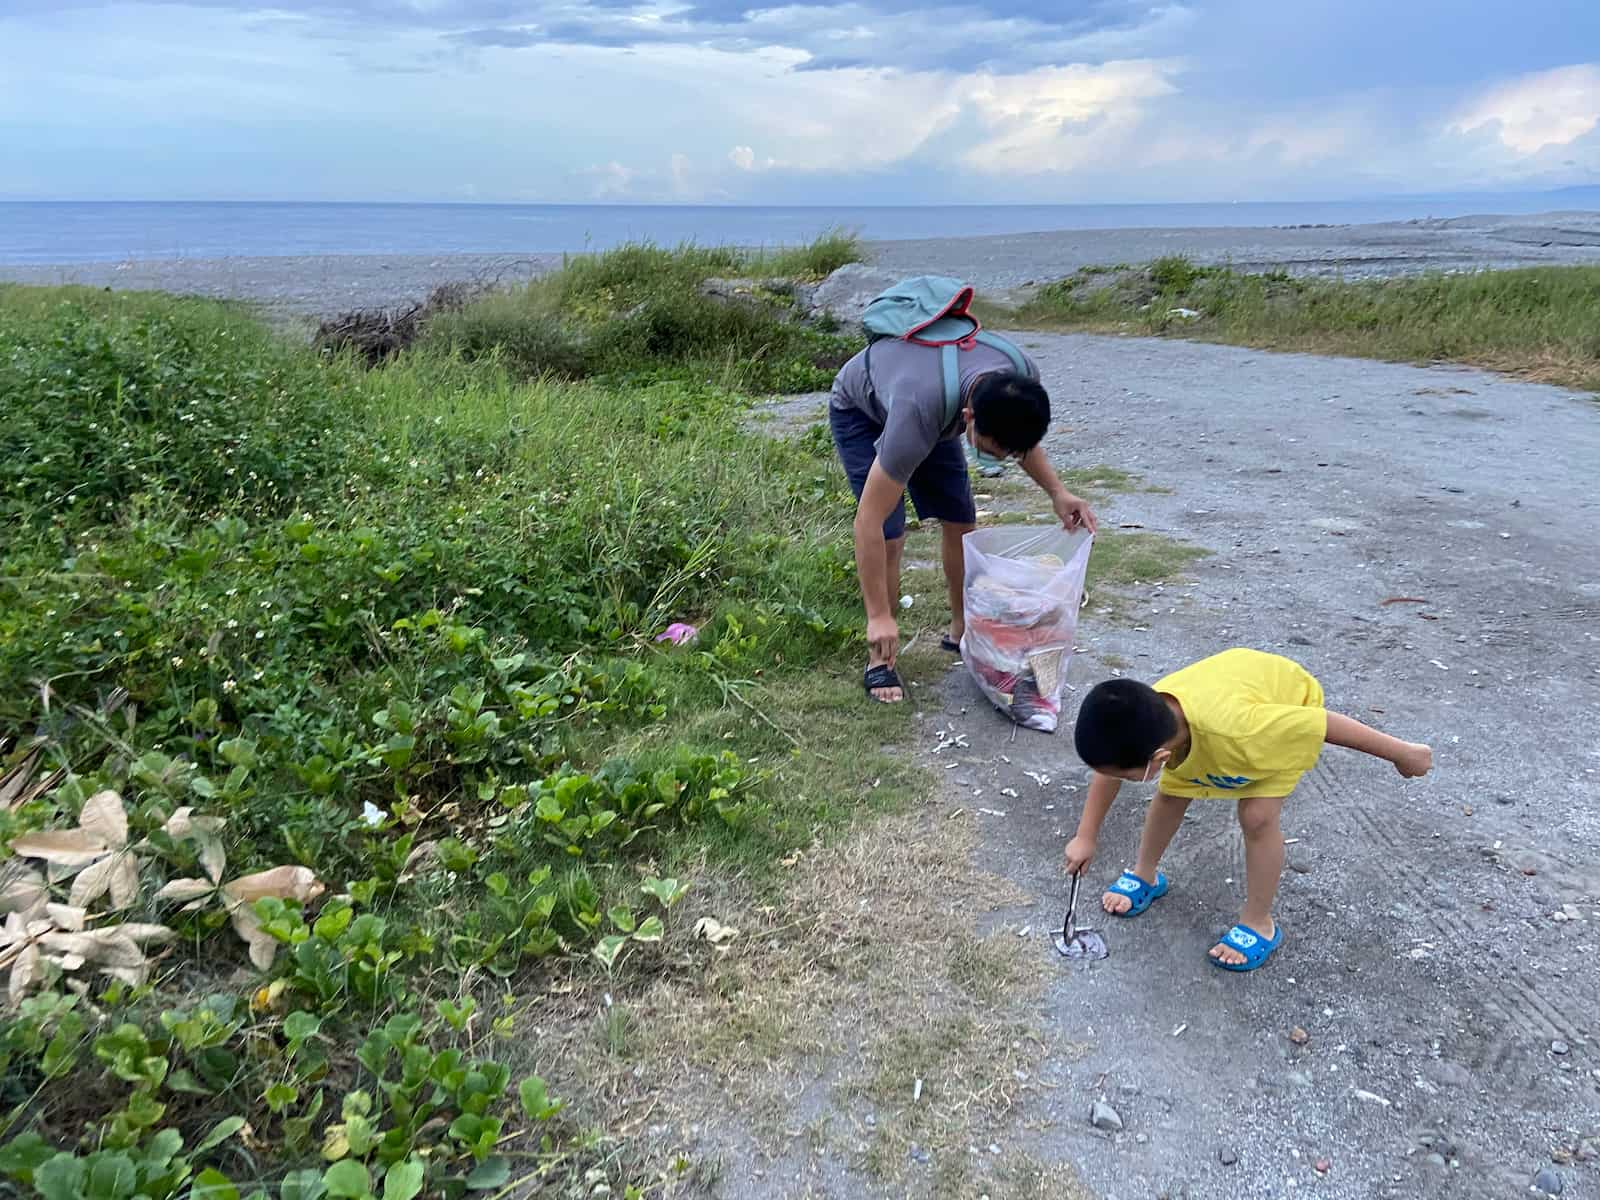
<point x="1241" y="725"/>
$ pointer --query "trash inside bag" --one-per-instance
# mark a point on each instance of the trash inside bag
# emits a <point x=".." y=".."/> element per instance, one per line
<point x="1022" y="589"/>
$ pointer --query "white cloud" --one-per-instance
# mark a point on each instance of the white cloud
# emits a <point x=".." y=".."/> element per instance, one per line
<point x="610" y="180"/>
<point x="199" y="100"/>
<point x="1057" y="118"/>
<point x="1549" y="108"/>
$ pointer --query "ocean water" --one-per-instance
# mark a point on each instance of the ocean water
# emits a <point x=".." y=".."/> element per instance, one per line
<point x="33" y="232"/>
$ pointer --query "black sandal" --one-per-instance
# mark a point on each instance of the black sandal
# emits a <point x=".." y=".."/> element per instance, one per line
<point x="880" y="677"/>
<point x="949" y="645"/>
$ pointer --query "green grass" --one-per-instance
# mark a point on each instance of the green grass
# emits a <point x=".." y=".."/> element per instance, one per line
<point x="1536" y="322"/>
<point x="1124" y="558"/>
<point x="608" y="314"/>
<point x="280" y="589"/>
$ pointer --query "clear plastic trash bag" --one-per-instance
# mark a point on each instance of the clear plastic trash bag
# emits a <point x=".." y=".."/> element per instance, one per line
<point x="1023" y="587"/>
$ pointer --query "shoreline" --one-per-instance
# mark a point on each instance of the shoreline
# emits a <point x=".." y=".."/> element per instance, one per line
<point x="315" y="286"/>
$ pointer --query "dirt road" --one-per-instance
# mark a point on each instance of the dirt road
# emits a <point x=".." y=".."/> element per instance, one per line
<point x="1442" y="944"/>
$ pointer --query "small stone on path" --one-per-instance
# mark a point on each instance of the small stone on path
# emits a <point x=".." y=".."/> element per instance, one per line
<point x="1227" y="1157"/>
<point x="1559" y="1047"/>
<point x="1549" y="1182"/>
<point x="1451" y="1074"/>
<point x="1103" y="1116"/>
<point x="1435" y="1160"/>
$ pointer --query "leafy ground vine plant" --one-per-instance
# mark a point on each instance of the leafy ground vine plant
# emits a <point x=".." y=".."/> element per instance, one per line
<point x="332" y="728"/>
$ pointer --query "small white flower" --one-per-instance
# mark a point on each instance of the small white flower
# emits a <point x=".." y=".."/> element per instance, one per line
<point x="256" y="678"/>
<point x="177" y="660"/>
<point x="228" y="685"/>
<point x="260" y="633"/>
<point x="232" y="624"/>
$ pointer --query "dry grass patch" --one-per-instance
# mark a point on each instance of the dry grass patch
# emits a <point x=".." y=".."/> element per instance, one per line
<point x="852" y="979"/>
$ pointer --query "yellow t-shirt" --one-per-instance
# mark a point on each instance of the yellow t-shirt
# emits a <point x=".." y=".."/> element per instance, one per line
<point x="1256" y="724"/>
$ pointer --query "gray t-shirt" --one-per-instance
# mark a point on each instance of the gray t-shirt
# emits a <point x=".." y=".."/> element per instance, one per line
<point x="906" y="397"/>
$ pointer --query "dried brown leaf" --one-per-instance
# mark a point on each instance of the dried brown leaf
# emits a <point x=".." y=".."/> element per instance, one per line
<point x="105" y="818"/>
<point x="204" y="831"/>
<point x="21" y="888"/>
<point x="213" y="858"/>
<point x="69" y="848"/>
<point x="66" y="917"/>
<point x="282" y="883"/>
<point x="186" y="889"/>
<point x="103" y="947"/>
<point x="19" y="928"/>
<point x="24" y="970"/>
<point x="93" y="882"/>
<point x="124" y="881"/>
<point x="263" y="947"/>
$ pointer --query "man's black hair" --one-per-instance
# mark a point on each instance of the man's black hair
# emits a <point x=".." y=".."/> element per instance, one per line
<point x="1121" y="724"/>
<point x="1012" y="409"/>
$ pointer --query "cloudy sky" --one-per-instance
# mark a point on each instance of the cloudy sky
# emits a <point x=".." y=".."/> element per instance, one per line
<point x="838" y="101"/>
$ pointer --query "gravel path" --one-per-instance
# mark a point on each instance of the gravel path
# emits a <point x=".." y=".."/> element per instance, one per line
<point x="1442" y="936"/>
<point x="321" y="285"/>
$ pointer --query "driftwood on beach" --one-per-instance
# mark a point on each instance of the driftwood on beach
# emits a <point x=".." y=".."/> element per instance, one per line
<point x="378" y="334"/>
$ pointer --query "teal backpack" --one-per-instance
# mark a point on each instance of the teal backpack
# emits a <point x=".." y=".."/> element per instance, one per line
<point x="931" y="310"/>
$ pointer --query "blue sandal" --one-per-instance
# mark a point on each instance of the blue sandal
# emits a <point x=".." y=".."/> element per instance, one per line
<point x="1255" y="948"/>
<point x="1137" y="890"/>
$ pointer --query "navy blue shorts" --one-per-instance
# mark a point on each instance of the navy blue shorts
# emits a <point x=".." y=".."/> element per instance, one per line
<point x="940" y="487"/>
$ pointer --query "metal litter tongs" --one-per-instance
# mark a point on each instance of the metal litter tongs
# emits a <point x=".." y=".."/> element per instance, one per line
<point x="1073" y="942"/>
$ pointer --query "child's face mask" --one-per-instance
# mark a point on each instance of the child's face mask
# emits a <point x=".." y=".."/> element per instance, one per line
<point x="1153" y="769"/>
<point x="1152" y="772"/>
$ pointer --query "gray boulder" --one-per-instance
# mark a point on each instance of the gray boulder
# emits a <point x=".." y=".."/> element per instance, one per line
<point x="845" y="294"/>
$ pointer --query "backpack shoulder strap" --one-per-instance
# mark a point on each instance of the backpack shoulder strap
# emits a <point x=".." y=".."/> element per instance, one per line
<point x="950" y="369"/>
<point x="994" y="341"/>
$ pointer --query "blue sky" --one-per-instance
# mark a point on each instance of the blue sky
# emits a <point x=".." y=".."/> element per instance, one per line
<point x="843" y="101"/>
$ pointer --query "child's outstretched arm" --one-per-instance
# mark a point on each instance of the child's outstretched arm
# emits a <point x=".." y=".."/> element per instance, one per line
<point x="1080" y="850"/>
<point x="1411" y="759"/>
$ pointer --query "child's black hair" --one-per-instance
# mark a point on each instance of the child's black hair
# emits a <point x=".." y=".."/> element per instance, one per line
<point x="1012" y="409"/>
<point x="1121" y="724"/>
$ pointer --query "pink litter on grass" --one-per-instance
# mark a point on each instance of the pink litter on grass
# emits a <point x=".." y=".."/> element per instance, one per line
<point x="678" y="633"/>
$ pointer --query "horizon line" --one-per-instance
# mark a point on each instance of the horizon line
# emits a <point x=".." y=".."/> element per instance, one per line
<point x="1387" y="197"/>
